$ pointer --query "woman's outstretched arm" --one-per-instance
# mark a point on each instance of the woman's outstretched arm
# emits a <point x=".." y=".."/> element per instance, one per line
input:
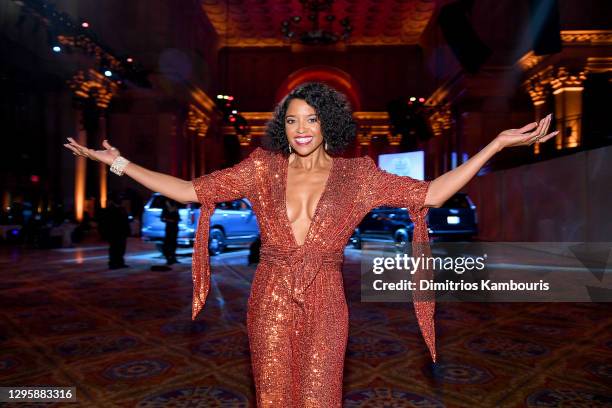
<point x="169" y="186"/>
<point x="444" y="186"/>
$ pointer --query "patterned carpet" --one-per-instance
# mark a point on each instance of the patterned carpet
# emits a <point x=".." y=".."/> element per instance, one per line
<point x="125" y="339"/>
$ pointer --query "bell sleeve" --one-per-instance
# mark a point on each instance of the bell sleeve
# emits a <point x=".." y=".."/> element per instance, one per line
<point x="386" y="189"/>
<point x="220" y="185"/>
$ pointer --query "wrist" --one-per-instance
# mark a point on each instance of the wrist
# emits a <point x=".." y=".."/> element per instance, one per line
<point x="119" y="165"/>
<point x="497" y="145"/>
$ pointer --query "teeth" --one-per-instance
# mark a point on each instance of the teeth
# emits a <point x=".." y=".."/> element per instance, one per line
<point x="303" y="139"/>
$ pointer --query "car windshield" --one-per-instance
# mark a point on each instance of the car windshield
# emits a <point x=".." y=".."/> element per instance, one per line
<point x="224" y="205"/>
<point x="233" y="205"/>
<point x="240" y="205"/>
<point x="159" y="201"/>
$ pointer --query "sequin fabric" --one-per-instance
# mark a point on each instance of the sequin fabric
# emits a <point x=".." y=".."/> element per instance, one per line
<point x="297" y="317"/>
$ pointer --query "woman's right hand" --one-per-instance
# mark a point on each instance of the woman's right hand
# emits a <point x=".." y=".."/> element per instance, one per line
<point x="107" y="156"/>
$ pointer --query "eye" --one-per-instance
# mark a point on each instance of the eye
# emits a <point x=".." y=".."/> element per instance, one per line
<point x="312" y="120"/>
<point x="290" y="120"/>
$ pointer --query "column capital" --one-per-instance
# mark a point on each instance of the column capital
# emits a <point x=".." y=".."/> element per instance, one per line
<point x="440" y="118"/>
<point x="92" y="84"/>
<point x="537" y="85"/>
<point x="364" y="137"/>
<point x="244" y="140"/>
<point x="566" y="79"/>
<point x="394" y="140"/>
<point x="197" y="121"/>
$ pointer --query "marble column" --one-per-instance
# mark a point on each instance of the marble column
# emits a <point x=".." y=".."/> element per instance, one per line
<point x="567" y="89"/>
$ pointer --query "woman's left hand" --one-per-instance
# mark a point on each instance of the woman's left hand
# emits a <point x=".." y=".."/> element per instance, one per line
<point x="527" y="135"/>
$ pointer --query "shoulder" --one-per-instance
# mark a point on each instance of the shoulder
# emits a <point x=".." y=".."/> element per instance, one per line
<point x="357" y="168"/>
<point x="363" y="163"/>
<point x="262" y="155"/>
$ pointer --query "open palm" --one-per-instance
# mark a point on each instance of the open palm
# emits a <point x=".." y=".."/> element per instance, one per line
<point x="107" y="156"/>
<point x="527" y="135"/>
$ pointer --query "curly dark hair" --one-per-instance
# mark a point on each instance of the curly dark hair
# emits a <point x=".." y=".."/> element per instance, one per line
<point x="334" y="112"/>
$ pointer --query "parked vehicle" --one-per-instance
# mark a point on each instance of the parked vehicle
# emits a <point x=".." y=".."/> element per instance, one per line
<point x="232" y="224"/>
<point x="455" y="220"/>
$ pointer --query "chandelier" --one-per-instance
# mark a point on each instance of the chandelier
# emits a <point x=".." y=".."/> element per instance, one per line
<point x="317" y="35"/>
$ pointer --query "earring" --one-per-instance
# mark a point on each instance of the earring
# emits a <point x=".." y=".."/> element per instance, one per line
<point x="325" y="145"/>
<point x="289" y="149"/>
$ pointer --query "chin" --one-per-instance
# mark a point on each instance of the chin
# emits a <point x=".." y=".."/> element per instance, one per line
<point x="305" y="150"/>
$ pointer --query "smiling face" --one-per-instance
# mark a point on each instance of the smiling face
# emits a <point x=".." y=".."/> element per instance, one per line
<point x="303" y="127"/>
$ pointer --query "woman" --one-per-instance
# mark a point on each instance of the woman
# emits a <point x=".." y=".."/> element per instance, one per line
<point x="308" y="203"/>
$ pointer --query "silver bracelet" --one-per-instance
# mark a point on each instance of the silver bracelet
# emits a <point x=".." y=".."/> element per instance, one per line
<point x="118" y="165"/>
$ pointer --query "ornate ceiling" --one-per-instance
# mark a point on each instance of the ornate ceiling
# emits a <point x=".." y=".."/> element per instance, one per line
<point x="249" y="23"/>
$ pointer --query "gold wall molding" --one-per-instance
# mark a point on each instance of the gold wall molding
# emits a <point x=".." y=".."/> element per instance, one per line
<point x="370" y="124"/>
<point x="257" y="116"/>
<point x="569" y="38"/>
<point x="586" y="36"/>
<point x="90" y="47"/>
<point x="529" y="60"/>
<point x="364" y="115"/>
<point x="202" y="101"/>
<point x="599" y="64"/>
<point x="251" y="23"/>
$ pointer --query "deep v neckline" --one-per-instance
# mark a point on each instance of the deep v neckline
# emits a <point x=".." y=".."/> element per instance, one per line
<point x="285" y="173"/>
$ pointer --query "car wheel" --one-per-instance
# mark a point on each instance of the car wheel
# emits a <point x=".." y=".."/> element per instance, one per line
<point x="216" y="242"/>
<point x="402" y="238"/>
<point x="356" y="239"/>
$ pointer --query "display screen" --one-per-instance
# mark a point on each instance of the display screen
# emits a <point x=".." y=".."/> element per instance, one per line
<point x="410" y="164"/>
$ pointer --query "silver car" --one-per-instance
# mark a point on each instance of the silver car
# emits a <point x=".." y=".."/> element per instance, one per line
<point x="233" y="223"/>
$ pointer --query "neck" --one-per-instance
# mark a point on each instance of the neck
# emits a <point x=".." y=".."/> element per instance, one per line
<point x="318" y="158"/>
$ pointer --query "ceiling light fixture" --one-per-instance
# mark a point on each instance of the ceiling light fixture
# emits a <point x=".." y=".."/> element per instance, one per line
<point x="316" y="35"/>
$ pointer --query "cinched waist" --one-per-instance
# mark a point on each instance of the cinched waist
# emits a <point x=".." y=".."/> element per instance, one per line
<point x="294" y="256"/>
<point x="304" y="264"/>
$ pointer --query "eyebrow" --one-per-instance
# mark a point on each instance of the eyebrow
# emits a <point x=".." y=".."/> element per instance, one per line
<point x="312" y="114"/>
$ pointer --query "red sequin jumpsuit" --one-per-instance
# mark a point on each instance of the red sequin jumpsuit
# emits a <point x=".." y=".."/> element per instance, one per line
<point x="297" y="318"/>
